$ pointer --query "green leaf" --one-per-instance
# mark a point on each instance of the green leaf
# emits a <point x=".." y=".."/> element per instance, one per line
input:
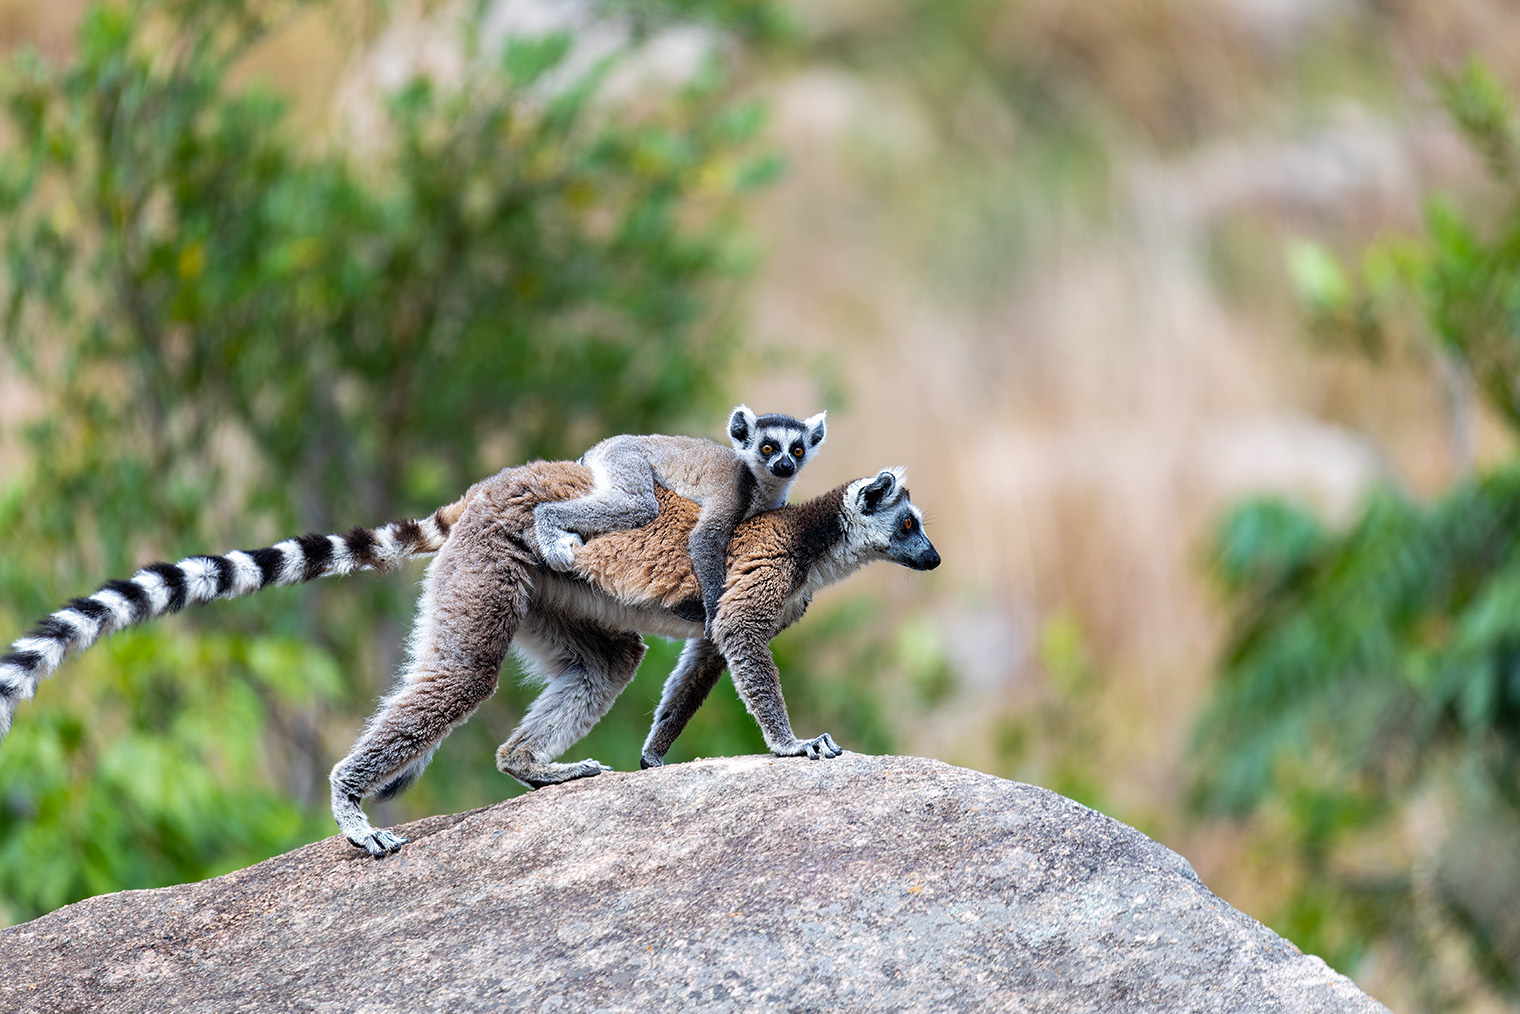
<point x="1317" y="276"/>
<point x="526" y="60"/>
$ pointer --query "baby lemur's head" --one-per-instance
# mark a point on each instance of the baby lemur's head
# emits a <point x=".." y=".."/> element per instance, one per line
<point x="775" y="446"/>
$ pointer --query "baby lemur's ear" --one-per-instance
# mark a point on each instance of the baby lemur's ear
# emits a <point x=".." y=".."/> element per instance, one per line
<point x="815" y="429"/>
<point x="741" y="426"/>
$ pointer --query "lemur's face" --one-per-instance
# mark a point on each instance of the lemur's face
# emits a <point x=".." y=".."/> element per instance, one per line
<point x="775" y="444"/>
<point x="881" y="519"/>
<point x="781" y="450"/>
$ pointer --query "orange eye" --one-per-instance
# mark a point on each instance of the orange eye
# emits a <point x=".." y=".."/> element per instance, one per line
<point x="767" y="449"/>
<point x="907" y="524"/>
<point x="798" y="452"/>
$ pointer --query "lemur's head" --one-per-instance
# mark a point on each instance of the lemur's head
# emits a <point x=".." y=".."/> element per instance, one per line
<point x="775" y="445"/>
<point x="881" y="519"/>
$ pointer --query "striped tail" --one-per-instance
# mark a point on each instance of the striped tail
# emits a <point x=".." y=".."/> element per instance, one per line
<point x="163" y="588"/>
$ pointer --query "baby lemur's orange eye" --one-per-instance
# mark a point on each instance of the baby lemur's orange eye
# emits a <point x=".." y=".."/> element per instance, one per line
<point x="798" y="452"/>
<point x="907" y="524"/>
<point x="767" y="449"/>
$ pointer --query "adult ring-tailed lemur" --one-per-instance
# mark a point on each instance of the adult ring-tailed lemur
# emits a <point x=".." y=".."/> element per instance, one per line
<point x="487" y="589"/>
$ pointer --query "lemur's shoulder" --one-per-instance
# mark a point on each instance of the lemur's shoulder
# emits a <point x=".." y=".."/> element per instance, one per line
<point x="800" y="532"/>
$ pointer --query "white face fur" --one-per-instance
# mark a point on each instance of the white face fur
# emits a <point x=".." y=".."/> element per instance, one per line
<point x="882" y="522"/>
<point x="775" y="447"/>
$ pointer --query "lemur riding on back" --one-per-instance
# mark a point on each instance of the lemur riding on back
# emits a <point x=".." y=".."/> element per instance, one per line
<point x="730" y="486"/>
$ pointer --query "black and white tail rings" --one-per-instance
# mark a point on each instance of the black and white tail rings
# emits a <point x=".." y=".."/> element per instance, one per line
<point x="163" y="588"/>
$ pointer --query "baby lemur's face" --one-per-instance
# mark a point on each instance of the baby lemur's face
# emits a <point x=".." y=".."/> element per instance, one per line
<point x="775" y="445"/>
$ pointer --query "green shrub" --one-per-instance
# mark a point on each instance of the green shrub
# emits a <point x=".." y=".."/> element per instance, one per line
<point x="237" y="332"/>
<point x="1368" y="707"/>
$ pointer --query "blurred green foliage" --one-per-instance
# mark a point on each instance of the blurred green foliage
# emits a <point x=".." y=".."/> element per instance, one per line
<point x="235" y="333"/>
<point x="1056" y="739"/>
<point x="1368" y="708"/>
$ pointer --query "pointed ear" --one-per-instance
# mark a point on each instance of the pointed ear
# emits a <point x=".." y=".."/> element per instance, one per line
<point x="741" y="426"/>
<point x="878" y="492"/>
<point x="815" y="429"/>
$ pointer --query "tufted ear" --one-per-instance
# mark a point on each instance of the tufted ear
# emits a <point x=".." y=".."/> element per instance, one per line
<point x="879" y="491"/>
<point x="815" y="429"/>
<point x="741" y="426"/>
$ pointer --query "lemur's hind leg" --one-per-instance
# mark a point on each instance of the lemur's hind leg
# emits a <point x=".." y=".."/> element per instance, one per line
<point x="687" y="687"/>
<point x="474" y="598"/>
<point x="584" y="667"/>
<point x="622" y="498"/>
<point x="398" y="743"/>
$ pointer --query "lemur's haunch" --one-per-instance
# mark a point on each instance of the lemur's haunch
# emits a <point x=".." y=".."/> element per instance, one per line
<point x="488" y="589"/>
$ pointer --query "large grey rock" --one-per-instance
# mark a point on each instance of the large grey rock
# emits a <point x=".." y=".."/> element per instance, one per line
<point x="751" y="883"/>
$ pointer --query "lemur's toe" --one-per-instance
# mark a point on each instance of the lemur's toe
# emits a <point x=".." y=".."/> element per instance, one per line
<point x="379" y="842"/>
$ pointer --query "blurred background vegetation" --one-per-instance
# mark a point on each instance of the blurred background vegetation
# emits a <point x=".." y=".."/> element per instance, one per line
<point x="1193" y="321"/>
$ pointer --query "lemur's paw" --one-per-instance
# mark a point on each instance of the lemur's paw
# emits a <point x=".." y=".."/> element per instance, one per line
<point x="649" y="759"/>
<point x="559" y="553"/>
<point x="537" y="775"/>
<point x="378" y="842"/>
<point x="813" y="749"/>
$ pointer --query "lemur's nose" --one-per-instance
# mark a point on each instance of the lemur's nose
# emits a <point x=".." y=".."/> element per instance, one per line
<point x="783" y="467"/>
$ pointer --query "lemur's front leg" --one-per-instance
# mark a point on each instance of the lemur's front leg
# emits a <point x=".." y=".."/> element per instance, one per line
<point x="746" y="645"/>
<point x="686" y="688"/>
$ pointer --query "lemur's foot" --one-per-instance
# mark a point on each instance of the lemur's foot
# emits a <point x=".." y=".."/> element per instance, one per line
<point x="813" y="749"/>
<point x="536" y="775"/>
<point x="377" y="841"/>
<point x="559" y="552"/>
<point x="355" y="826"/>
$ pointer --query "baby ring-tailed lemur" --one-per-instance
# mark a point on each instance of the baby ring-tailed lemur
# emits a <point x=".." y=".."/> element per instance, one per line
<point x="729" y="486"/>
<point x="487" y="590"/>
